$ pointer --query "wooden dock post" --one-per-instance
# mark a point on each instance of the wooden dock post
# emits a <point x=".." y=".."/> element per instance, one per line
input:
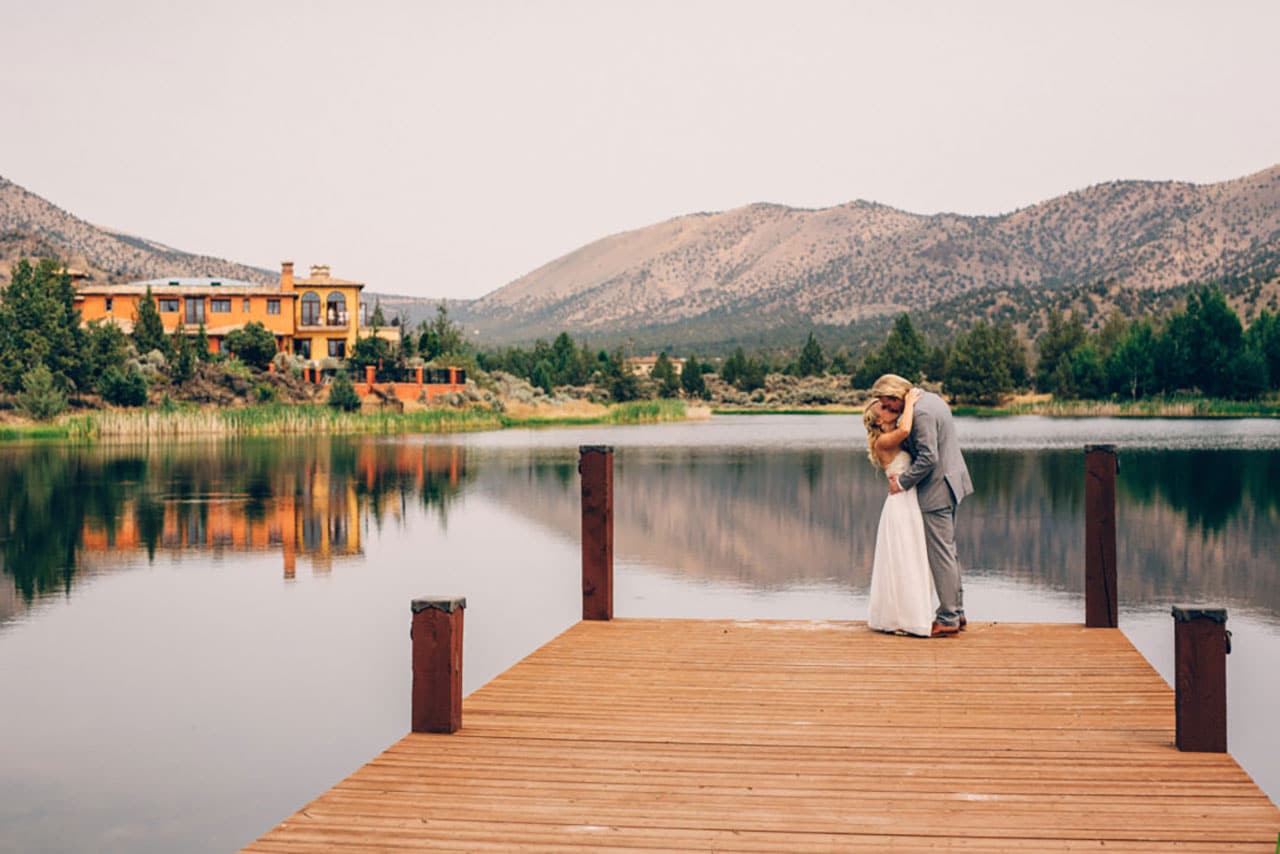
<point x="1100" y="605"/>
<point x="595" y="465"/>
<point x="437" y="664"/>
<point x="1201" y="643"/>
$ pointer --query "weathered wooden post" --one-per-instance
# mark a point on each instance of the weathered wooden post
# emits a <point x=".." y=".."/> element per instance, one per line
<point x="1100" y="605"/>
<point x="1200" y="646"/>
<point x="595" y="465"/>
<point x="437" y="664"/>
<point x="370" y="374"/>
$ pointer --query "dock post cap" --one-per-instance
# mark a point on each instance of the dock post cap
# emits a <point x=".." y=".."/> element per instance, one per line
<point x="1110" y="449"/>
<point x="603" y="449"/>
<point x="1187" y="613"/>
<point x="448" y="604"/>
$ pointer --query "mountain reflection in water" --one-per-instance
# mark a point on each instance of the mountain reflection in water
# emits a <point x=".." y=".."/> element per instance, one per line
<point x="1193" y="524"/>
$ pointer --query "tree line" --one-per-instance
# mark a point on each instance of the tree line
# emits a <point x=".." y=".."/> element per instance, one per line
<point x="1199" y="347"/>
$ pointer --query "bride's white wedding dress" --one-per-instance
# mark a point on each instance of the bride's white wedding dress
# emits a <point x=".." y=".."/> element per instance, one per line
<point x="902" y="597"/>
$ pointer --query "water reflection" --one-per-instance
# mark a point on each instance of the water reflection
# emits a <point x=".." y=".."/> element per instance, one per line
<point x="1193" y="524"/>
<point x="70" y="512"/>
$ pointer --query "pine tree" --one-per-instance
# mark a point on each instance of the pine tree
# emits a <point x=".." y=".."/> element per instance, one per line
<point x="1130" y="368"/>
<point x="905" y="350"/>
<point x="664" y="374"/>
<point x="540" y="377"/>
<point x="148" y="328"/>
<point x="978" y="371"/>
<point x="1062" y="338"/>
<point x="39" y="325"/>
<point x="812" y="361"/>
<point x="104" y="347"/>
<point x="691" y="379"/>
<point x="202" y="343"/>
<point x="184" y="357"/>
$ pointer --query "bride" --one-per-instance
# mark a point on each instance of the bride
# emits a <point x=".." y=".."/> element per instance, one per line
<point x="902" y="597"/>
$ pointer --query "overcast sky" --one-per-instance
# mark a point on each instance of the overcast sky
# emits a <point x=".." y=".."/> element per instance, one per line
<point x="445" y="149"/>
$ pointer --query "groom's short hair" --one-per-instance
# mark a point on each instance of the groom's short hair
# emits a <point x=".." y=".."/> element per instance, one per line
<point x="891" y="385"/>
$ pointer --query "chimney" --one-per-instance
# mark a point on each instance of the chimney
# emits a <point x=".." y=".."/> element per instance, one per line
<point x="319" y="271"/>
<point x="286" y="277"/>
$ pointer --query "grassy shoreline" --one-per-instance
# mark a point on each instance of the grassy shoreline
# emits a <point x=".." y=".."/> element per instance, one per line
<point x="291" y="420"/>
<point x="1201" y="407"/>
<point x="285" y="420"/>
<point x="1148" y="408"/>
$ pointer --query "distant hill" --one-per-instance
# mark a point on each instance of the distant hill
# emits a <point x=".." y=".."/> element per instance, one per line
<point x="750" y="271"/>
<point x="32" y="227"/>
<point x="763" y="275"/>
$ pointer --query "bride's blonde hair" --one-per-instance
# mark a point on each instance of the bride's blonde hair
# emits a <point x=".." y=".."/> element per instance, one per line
<point x="871" y="420"/>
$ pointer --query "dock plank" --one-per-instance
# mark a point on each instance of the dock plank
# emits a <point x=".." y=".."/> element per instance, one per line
<point x="801" y="736"/>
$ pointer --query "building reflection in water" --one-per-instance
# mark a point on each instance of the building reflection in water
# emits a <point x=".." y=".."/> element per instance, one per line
<point x="70" y="512"/>
<point x="1195" y="524"/>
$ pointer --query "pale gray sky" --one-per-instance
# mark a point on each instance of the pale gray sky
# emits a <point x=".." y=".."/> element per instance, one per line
<point x="444" y="149"/>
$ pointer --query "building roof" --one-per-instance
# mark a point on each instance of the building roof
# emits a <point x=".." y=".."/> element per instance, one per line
<point x="199" y="282"/>
<point x="186" y="286"/>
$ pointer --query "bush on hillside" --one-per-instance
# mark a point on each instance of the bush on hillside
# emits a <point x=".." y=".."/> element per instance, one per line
<point x="123" y="388"/>
<point x="342" y="394"/>
<point x="40" y="399"/>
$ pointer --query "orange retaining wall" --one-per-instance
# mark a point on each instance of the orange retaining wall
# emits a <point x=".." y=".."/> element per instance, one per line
<point x="409" y="391"/>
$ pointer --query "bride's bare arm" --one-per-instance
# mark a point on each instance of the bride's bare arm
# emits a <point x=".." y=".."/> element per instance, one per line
<point x="893" y="439"/>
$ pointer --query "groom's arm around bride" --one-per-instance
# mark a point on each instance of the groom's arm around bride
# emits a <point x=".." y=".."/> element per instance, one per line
<point x="941" y="478"/>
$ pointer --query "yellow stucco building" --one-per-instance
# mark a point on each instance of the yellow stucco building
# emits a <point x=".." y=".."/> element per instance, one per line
<point x="314" y="317"/>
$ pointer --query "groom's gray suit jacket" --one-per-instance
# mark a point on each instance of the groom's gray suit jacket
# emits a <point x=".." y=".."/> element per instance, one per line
<point x="937" y="469"/>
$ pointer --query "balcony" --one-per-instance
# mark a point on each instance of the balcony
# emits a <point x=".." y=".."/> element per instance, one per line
<point x="330" y="321"/>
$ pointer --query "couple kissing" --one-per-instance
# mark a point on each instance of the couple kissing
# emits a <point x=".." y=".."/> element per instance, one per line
<point x="915" y="574"/>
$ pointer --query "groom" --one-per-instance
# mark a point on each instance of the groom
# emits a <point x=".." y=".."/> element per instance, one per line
<point x="942" y="481"/>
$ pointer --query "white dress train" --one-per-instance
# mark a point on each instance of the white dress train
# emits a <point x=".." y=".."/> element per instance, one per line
<point x="902" y="596"/>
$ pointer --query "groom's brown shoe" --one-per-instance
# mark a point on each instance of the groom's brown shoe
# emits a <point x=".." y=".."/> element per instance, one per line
<point x="938" y="630"/>
<point x="963" y="622"/>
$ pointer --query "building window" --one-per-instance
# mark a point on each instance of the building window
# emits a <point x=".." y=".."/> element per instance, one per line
<point x="310" y="309"/>
<point x="338" y="348"/>
<point x="110" y="302"/>
<point x="219" y="306"/>
<point x="195" y="309"/>
<point x="245" y="307"/>
<point x="273" y="306"/>
<point x="302" y="347"/>
<point x="335" y="310"/>
<point x="168" y="305"/>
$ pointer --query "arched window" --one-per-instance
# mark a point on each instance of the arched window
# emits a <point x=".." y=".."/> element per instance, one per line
<point x="335" y="309"/>
<point x="310" y="309"/>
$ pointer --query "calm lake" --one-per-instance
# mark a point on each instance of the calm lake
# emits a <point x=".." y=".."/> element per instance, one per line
<point x="196" y="639"/>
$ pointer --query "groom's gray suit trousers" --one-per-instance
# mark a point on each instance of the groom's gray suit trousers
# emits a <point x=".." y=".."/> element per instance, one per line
<point x="940" y="541"/>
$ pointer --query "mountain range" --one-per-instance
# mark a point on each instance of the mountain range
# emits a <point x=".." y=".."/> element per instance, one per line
<point x="32" y="227"/>
<point x="763" y="271"/>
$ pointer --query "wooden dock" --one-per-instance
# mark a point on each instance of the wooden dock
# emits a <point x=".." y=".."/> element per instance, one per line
<point x="802" y="736"/>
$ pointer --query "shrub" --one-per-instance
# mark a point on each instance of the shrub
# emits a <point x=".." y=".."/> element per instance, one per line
<point x="40" y="399"/>
<point x="342" y="394"/>
<point x="123" y="388"/>
<point x="254" y="344"/>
